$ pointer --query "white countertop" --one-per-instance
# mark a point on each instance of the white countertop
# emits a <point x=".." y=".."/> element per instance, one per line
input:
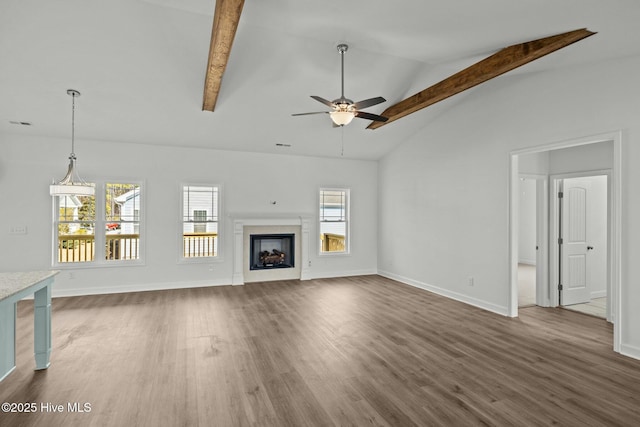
<point x="12" y="283"/>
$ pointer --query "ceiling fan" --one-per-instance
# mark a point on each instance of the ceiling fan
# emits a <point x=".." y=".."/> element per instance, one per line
<point x="344" y="109"/>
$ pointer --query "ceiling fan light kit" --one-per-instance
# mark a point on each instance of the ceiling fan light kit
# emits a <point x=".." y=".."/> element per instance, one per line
<point x="342" y="118"/>
<point x="344" y="109"/>
<point x="72" y="184"/>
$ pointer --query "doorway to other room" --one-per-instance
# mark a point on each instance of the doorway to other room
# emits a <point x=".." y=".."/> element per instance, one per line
<point x="568" y="270"/>
<point x="580" y="230"/>
<point x="531" y="239"/>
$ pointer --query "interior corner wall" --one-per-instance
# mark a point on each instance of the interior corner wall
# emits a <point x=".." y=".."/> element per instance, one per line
<point x="444" y="193"/>
<point x="28" y="164"/>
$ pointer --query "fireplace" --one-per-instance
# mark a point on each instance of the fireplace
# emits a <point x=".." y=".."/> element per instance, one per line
<point x="269" y="251"/>
<point x="246" y="225"/>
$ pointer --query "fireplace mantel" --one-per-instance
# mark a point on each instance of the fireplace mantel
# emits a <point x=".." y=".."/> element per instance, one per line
<point x="240" y="221"/>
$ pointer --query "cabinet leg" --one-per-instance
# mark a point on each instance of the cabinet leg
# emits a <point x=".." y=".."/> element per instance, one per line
<point x="42" y="327"/>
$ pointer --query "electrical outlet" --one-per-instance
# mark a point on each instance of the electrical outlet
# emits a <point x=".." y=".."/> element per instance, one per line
<point x="470" y="280"/>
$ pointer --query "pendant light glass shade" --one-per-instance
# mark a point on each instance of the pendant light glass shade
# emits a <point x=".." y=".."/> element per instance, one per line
<point x="72" y="184"/>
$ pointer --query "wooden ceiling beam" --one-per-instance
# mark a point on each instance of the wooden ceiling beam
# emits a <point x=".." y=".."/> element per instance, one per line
<point x="225" y="23"/>
<point x="499" y="63"/>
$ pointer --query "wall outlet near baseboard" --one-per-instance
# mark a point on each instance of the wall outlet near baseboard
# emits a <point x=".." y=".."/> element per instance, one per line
<point x="470" y="280"/>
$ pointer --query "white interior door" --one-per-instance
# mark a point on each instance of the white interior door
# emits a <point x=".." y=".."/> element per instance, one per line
<point x="576" y="268"/>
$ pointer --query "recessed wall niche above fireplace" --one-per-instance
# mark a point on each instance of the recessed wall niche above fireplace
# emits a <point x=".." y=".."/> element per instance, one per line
<point x="269" y="251"/>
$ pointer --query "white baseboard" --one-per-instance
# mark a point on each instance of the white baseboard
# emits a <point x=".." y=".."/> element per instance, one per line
<point x="598" y="294"/>
<point x="630" y="351"/>
<point x="142" y="287"/>
<point x="349" y="273"/>
<point x="485" y="305"/>
<point x="527" y="261"/>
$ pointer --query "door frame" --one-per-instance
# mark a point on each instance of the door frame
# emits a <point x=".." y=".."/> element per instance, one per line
<point x="554" y="255"/>
<point x="615" y="193"/>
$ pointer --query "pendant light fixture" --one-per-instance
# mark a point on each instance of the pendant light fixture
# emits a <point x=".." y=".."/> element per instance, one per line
<point x="72" y="184"/>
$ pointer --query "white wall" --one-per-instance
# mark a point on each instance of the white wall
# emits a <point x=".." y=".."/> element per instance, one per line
<point x="29" y="164"/>
<point x="446" y="190"/>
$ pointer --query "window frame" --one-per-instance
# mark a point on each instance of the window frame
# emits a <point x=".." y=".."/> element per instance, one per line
<point x="220" y="226"/>
<point x="137" y="220"/>
<point x="100" y="221"/>
<point x="55" y="230"/>
<point x="347" y="222"/>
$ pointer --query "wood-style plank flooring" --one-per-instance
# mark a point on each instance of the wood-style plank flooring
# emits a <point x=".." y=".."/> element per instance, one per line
<point x="359" y="351"/>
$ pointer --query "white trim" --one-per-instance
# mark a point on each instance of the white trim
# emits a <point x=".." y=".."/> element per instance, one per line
<point x="140" y="287"/>
<point x="253" y="219"/>
<point x="99" y="234"/>
<point x="219" y="258"/>
<point x="630" y="351"/>
<point x="346" y="273"/>
<point x="485" y="305"/>
<point x="347" y="249"/>
<point x="514" y="228"/>
<point x="615" y="226"/>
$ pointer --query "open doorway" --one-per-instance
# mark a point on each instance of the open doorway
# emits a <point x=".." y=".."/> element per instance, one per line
<point x="566" y="160"/>
<point x="532" y="229"/>
<point x="581" y="226"/>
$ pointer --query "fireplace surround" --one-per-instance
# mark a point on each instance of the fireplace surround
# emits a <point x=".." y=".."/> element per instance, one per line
<point x="245" y="225"/>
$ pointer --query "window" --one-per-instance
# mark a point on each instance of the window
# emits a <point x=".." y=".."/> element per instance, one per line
<point x="75" y="225"/>
<point x="200" y="206"/>
<point x="81" y="236"/>
<point x="122" y="215"/>
<point x="334" y="221"/>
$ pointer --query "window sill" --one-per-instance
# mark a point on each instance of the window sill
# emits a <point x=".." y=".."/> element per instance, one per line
<point x="334" y="254"/>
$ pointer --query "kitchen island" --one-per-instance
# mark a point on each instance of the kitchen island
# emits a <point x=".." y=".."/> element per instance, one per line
<point x="13" y="288"/>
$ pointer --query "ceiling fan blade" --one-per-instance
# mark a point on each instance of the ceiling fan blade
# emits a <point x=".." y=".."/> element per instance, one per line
<point x="324" y="101"/>
<point x="370" y="116"/>
<point x="306" y="114"/>
<point x="368" y="103"/>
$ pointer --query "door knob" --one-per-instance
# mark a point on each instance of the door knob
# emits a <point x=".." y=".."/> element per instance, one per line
<point x="589" y="248"/>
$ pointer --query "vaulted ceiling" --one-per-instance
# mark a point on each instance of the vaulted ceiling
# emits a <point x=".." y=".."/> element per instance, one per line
<point x="141" y="65"/>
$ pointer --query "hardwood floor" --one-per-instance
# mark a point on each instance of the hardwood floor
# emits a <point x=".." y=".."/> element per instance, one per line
<point x="350" y="351"/>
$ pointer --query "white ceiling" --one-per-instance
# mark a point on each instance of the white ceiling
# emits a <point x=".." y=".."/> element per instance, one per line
<point x="140" y="65"/>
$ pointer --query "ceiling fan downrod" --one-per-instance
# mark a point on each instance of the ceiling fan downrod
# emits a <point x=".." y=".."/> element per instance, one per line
<point x="342" y="48"/>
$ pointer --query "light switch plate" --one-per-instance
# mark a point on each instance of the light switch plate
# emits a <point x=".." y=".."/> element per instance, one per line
<point x="18" y="229"/>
